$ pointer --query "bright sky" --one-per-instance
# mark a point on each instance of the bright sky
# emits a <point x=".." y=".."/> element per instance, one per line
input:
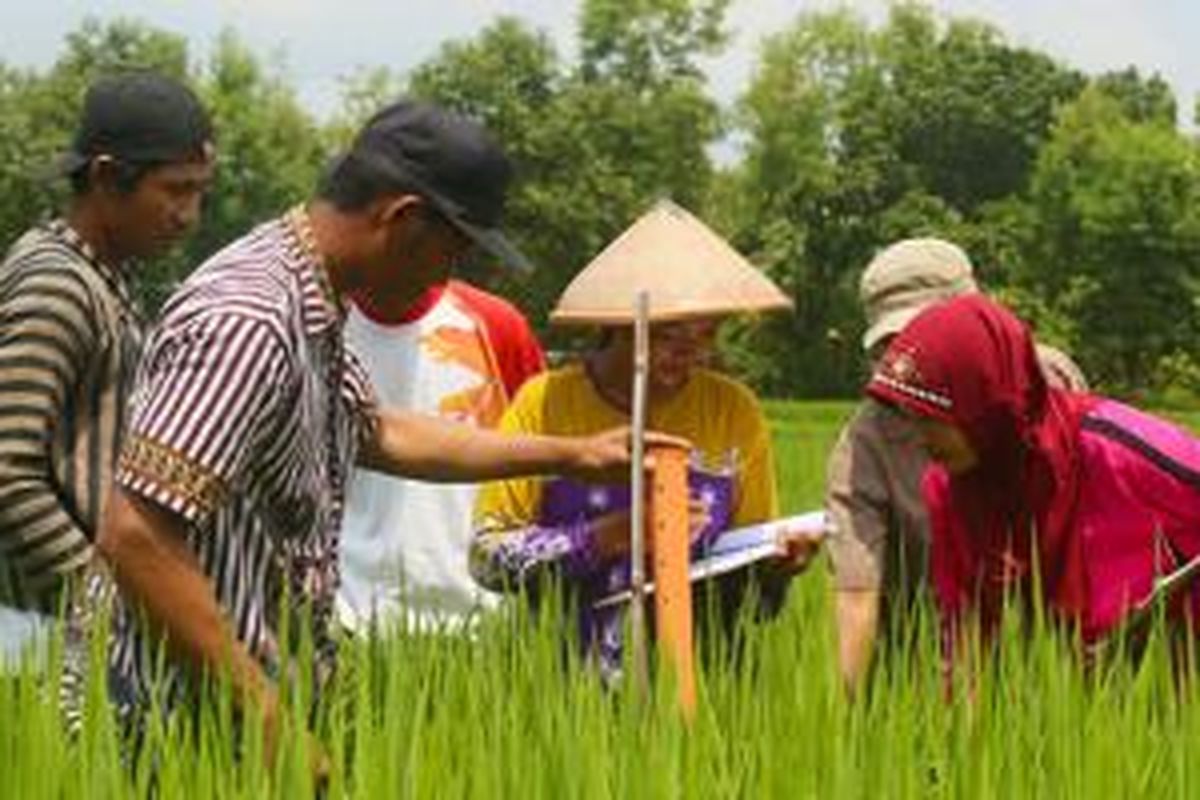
<point x="322" y="41"/>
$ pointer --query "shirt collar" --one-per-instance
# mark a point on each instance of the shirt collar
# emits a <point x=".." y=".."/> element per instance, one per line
<point x="113" y="277"/>
<point x="323" y="308"/>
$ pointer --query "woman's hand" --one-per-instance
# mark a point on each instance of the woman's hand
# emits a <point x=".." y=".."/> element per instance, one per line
<point x="610" y="535"/>
<point x="611" y="531"/>
<point x="800" y="545"/>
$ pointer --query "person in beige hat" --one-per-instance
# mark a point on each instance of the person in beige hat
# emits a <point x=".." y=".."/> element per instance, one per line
<point x="529" y="529"/>
<point x="906" y="277"/>
<point x="879" y="539"/>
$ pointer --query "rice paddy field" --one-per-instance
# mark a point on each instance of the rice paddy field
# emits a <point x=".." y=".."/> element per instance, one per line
<point x="508" y="714"/>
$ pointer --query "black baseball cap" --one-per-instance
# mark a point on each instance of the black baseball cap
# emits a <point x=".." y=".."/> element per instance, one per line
<point x="450" y="161"/>
<point x="139" y="117"/>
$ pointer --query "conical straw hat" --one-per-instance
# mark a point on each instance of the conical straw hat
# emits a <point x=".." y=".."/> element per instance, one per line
<point x="688" y="270"/>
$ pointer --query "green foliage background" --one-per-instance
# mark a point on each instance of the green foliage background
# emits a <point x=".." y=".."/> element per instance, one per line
<point x="1076" y="195"/>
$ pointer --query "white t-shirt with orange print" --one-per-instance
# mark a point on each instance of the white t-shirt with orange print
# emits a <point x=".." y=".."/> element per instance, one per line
<point x="403" y="551"/>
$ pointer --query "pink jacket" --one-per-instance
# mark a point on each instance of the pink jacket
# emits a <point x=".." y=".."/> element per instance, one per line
<point x="1137" y="513"/>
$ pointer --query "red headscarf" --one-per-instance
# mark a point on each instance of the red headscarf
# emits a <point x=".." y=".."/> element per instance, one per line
<point x="971" y="363"/>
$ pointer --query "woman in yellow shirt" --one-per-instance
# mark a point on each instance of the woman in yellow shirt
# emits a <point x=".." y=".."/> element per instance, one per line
<point x="530" y="529"/>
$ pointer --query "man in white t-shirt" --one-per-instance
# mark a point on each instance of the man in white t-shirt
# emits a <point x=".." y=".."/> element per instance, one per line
<point x="460" y="353"/>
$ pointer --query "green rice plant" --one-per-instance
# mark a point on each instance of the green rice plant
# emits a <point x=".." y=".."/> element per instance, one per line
<point x="512" y="710"/>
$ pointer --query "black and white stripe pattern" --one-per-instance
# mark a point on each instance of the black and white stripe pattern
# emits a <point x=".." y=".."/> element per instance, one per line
<point x="245" y="421"/>
<point x="70" y="335"/>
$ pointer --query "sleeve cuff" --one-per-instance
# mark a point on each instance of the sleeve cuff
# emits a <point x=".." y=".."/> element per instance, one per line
<point x="169" y="478"/>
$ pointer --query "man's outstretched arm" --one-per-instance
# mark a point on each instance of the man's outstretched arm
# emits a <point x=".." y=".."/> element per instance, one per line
<point x="418" y="446"/>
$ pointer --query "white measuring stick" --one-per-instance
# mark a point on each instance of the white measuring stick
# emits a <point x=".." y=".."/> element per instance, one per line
<point x="637" y="514"/>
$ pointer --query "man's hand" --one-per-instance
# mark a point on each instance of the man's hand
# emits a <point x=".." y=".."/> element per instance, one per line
<point x="605" y="457"/>
<point x="319" y="764"/>
<point x="413" y="445"/>
<point x="601" y="457"/>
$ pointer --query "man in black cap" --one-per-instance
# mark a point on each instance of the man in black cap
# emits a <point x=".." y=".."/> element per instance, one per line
<point x="249" y="414"/>
<point x="70" y="331"/>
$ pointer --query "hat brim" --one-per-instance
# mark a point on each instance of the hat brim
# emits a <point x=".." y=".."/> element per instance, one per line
<point x="495" y="244"/>
<point x="889" y="324"/>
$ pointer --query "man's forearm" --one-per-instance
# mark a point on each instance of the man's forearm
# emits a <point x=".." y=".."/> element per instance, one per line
<point x="145" y="546"/>
<point x="857" y="621"/>
<point x="427" y="448"/>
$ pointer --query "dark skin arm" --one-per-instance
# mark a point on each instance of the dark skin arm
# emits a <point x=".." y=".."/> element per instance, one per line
<point x="147" y="549"/>
<point x="423" y="447"/>
<point x="858" y="622"/>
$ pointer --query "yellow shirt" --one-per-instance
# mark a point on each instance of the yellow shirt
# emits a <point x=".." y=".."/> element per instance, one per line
<point x="732" y="467"/>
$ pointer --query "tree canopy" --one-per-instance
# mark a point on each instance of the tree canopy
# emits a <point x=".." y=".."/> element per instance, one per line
<point x="1077" y="196"/>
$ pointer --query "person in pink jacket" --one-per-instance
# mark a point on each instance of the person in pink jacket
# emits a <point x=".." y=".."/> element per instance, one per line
<point x="1099" y="499"/>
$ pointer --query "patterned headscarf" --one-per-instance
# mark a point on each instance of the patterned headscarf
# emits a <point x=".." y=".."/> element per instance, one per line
<point x="970" y="363"/>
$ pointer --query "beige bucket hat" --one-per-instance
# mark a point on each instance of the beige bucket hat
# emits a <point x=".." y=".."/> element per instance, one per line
<point x="907" y="276"/>
<point x="688" y="270"/>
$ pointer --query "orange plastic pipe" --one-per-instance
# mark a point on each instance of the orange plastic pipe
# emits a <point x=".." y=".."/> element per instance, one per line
<point x="669" y="532"/>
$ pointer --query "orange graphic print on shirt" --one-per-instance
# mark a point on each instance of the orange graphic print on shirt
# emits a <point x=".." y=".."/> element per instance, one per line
<point x="482" y="403"/>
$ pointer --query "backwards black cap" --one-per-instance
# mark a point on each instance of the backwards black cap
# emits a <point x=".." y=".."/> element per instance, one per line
<point x="139" y="117"/>
<point x="451" y="161"/>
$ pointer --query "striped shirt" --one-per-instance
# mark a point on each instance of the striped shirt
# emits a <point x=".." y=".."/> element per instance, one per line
<point x="70" y="334"/>
<point x="245" y="421"/>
